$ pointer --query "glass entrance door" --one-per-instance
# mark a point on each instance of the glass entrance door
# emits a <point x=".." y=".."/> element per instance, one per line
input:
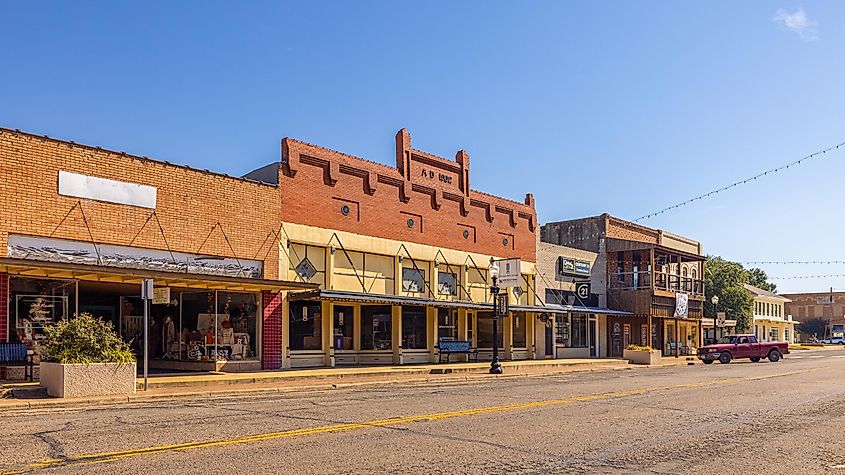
<point x="594" y="337"/>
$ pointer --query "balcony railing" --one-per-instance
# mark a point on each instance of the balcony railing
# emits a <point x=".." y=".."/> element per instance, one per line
<point x="661" y="280"/>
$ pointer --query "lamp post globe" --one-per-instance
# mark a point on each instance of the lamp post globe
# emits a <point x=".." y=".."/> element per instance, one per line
<point x="495" y="366"/>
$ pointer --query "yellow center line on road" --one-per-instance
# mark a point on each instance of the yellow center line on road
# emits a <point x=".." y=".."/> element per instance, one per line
<point x="106" y="457"/>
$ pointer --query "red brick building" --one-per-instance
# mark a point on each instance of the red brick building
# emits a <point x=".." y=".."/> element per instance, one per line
<point x="81" y="227"/>
<point x="401" y="255"/>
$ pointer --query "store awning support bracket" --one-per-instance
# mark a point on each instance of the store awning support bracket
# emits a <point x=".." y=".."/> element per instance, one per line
<point x="163" y="237"/>
<point x="87" y="226"/>
<point x="348" y="258"/>
<point x="228" y="243"/>
<point x="533" y="290"/>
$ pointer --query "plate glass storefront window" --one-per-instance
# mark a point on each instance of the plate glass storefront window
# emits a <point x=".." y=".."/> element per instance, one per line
<point x="208" y="326"/>
<point x="579" y="331"/>
<point x="376" y="327"/>
<point x="447" y="323"/>
<point x="306" y="326"/>
<point x="37" y="303"/>
<point x="519" y="339"/>
<point x="343" y="327"/>
<point x="414" y="334"/>
<point x="485" y="331"/>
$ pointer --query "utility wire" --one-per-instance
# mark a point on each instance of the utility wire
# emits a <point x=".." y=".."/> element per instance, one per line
<point x="790" y="262"/>
<point x="826" y="276"/>
<point x="741" y="182"/>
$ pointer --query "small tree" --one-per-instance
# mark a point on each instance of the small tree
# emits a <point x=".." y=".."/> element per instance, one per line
<point x="85" y="339"/>
<point x="813" y="327"/>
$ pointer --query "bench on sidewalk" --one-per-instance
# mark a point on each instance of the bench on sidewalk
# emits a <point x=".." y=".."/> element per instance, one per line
<point x="17" y="354"/>
<point x="449" y="346"/>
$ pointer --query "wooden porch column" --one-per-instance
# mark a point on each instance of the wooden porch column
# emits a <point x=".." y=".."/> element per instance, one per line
<point x="677" y="338"/>
<point x="396" y="333"/>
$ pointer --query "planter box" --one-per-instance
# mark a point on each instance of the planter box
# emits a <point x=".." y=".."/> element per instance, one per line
<point x="642" y="357"/>
<point x="81" y="380"/>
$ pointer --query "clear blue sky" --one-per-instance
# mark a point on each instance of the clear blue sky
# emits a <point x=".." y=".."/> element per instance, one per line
<point x="620" y="107"/>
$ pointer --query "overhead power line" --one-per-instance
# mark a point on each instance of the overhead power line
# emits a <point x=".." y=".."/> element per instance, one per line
<point x="793" y="277"/>
<point x="790" y="262"/>
<point x="741" y="182"/>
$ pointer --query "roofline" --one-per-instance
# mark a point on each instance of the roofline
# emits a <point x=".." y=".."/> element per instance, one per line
<point x="132" y="156"/>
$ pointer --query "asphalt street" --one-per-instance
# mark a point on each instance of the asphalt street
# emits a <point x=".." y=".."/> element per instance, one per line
<point x="743" y="417"/>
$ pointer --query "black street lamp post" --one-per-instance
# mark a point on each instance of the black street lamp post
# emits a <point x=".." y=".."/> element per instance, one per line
<point x="715" y="302"/>
<point x="495" y="366"/>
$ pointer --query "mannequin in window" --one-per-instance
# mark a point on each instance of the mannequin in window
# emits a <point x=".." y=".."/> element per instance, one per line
<point x="169" y="344"/>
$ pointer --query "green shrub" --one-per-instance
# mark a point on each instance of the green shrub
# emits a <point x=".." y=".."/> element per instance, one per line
<point x="85" y="339"/>
<point x="639" y="348"/>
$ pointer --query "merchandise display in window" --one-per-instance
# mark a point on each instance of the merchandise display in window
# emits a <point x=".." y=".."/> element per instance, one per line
<point x="343" y="327"/>
<point x="306" y="326"/>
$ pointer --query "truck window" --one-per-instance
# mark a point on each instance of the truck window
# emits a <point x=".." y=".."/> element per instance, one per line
<point x="753" y="339"/>
<point x="743" y="340"/>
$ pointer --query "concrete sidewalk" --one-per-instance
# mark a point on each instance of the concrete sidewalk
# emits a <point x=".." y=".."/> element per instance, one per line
<point x="178" y="386"/>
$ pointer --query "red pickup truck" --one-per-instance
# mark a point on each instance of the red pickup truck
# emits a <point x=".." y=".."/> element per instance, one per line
<point x="742" y="346"/>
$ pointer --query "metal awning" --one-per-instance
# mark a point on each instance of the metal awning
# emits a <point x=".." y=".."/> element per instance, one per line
<point x="120" y="275"/>
<point x="555" y="308"/>
<point x="381" y="299"/>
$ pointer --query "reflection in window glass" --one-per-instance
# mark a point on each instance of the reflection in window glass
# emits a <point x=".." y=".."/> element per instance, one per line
<point x="518" y="329"/>
<point x="413" y="280"/>
<point x="376" y="327"/>
<point x="447" y="323"/>
<point x="414" y="334"/>
<point x="485" y="331"/>
<point x="579" y="331"/>
<point x="447" y="283"/>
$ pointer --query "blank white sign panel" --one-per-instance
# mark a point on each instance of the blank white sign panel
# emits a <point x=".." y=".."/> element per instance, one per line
<point x="103" y="189"/>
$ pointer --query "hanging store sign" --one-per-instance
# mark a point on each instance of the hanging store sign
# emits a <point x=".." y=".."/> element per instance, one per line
<point x="503" y="306"/>
<point x="161" y="296"/>
<point x="509" y="273"/>
<point x="103" y="189"/>
<point x="78" y="252"/>
<point x="681" y="305"/>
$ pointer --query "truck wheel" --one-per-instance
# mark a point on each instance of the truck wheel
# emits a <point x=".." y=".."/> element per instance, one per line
<point x="756" y="359"/>
<point x="774" y="356"/>
<point x="707" y="361"/>
<point x="725" y="357"/>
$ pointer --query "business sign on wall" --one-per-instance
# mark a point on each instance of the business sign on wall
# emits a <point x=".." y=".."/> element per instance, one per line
<point x="103" y="189"/>
<point x="77" y="252"/>
<point x="567" y="266"/>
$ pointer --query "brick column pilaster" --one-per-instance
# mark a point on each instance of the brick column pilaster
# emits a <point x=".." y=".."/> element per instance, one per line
<point x="4" y="314"/>
<point x="4" y="307"/>
<point x="271" y="332"/>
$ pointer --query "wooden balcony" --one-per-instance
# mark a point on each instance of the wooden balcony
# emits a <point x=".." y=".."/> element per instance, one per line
<point x="653" y="293"/>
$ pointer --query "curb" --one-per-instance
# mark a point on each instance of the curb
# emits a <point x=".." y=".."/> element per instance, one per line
<point x="247" y="392"/>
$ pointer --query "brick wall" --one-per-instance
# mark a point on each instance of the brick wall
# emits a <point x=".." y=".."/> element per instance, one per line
<point x="271" y="333"/>
<point x="424" y="199"/>
<point x="620" y="229"/>
<point x="190" y="202"/>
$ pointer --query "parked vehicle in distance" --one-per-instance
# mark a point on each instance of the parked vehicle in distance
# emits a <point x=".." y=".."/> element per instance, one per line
<point x="838" y="340"/>
<point x="742" y="346"/>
